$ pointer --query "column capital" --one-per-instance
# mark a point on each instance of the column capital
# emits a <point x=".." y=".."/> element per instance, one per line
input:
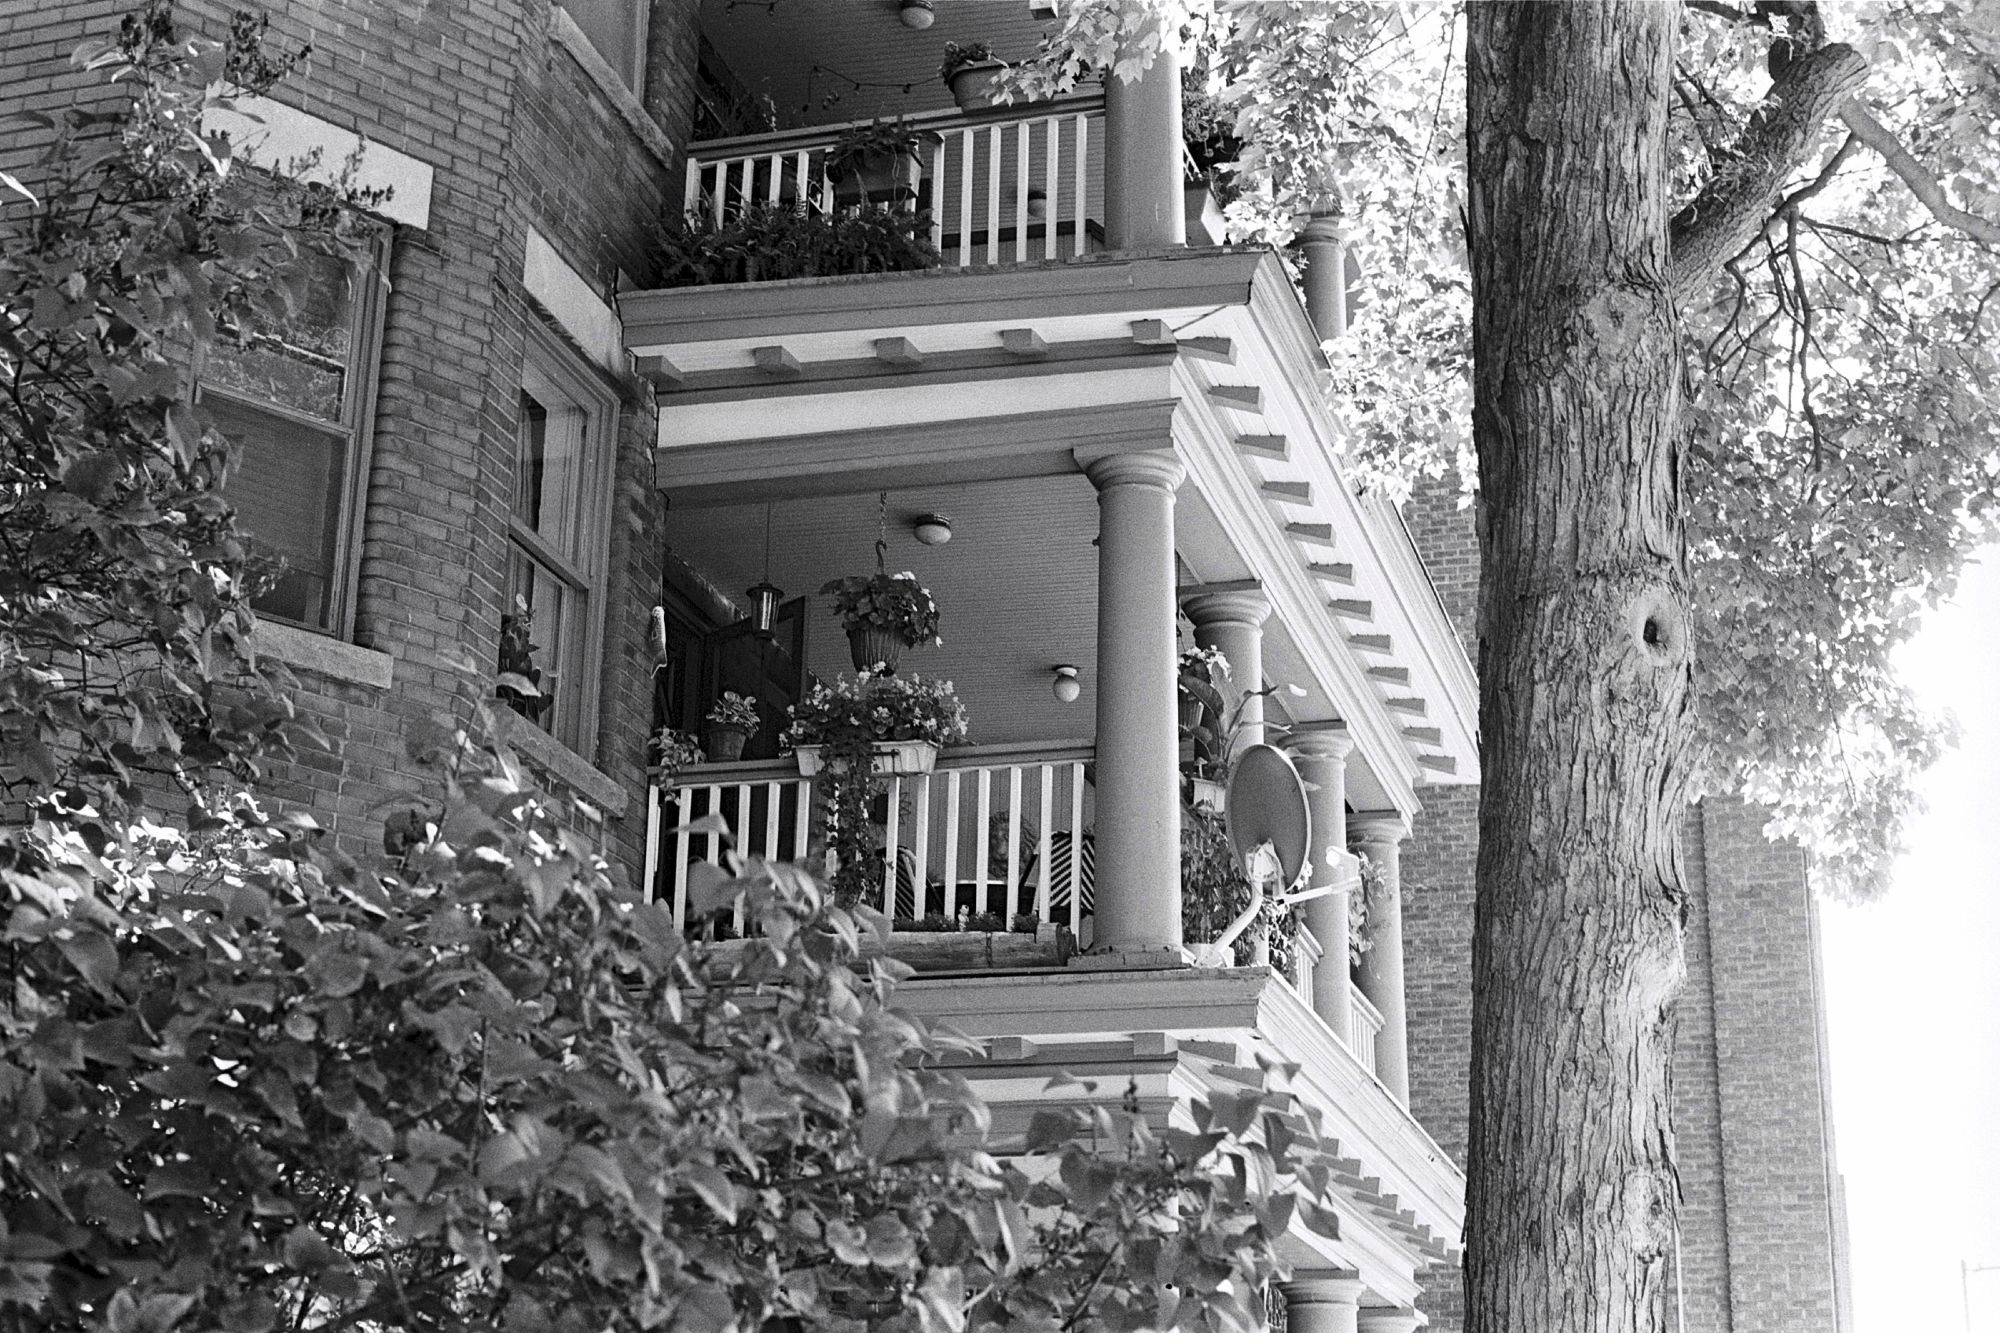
<point x="1391" y="1319"/>
<point x="1378" y="826"/>
<point x="1339" y="1286"/>
<point x="1160" y="468"/>
<point x="1242" y="603"/>
<point x="1328" y="739"/>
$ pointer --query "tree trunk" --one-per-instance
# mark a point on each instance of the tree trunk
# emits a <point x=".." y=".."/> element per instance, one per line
<point x="1585" y="702"/>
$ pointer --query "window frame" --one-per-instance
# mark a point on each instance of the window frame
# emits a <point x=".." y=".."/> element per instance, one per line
<point x="369" y="276"/>
<point x="630" y="65"/>
<point x="578" y="665"/>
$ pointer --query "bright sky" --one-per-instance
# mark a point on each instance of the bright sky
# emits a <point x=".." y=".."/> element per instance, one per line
<point x="1913" y="997"/>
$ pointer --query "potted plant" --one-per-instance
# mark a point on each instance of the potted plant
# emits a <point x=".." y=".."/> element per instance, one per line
<point x="972" y="72"/>
<point x="878" y="162"/>
<point x="895" y="724"/>
<point x="1200" y="673"/>
<point x="884" y="614"/>
<point x="1210" y="149"/>
<point x="520" y="683"/>
<point x="731" y="722"/>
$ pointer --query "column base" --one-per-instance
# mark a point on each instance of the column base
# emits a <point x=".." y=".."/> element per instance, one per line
<point x="1133" y="960"/>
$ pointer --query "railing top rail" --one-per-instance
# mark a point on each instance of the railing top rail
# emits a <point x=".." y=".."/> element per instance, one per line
<point x="948" y="118"/>
<point x="1001" y="755"/>
<point x="1308" y="943"/>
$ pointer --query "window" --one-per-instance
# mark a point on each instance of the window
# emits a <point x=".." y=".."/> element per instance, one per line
<point x="297" y="399"/>
<point x="556" y="539"/>
<point x="617" y="28"/>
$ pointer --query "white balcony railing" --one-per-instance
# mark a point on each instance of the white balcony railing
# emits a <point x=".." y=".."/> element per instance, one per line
<point x="1003" y="185"/>
<point x="1364" y="1024"/>
<point x="1306" y="953"/>
<point x="995" y="829"/>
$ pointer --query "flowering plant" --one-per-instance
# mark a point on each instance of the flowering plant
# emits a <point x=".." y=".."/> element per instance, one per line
<point x="735" y="710"/>
<point x="893" y="602"/>
<point x="1204" y="664"/>
<point x="871" y="708"/>
<point x="957" y="55"/>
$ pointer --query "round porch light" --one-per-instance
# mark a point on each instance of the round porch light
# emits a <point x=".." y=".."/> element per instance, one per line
<point x="918" y="14"/>
<point x="1066" y="687"/>
<point x="933" y="529"/>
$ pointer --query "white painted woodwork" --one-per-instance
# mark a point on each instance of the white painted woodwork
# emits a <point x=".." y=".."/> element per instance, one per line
<point x="1364" y="1024"/>
<point x="975" y="175"/>
<point x="978" y="831"/>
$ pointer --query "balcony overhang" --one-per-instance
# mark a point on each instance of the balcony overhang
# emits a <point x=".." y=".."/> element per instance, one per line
<point x="1186" y="1033"/>
<point x="847" y="385"/>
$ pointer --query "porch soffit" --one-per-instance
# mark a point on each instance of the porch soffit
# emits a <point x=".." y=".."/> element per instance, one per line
<point x="1236" y="1014"/>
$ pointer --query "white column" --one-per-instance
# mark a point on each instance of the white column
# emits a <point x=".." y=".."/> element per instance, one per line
<point x="1390" y="1319"/>
<point x="1320" y="750"/>
<point x="1138" y="830"/>
<point x="1144" y="204"/>
<point x="1321" y="1304"/>
<point x="1231" y="620"/>
<point x="1379" y="836"/>
<point x="1325" y="249"/>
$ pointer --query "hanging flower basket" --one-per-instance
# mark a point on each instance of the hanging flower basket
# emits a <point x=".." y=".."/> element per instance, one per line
<point x="871" y="646"/>
<point x="889" y="757"/>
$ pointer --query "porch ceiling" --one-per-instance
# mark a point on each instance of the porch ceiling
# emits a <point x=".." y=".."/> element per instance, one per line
<point x="833" y="60"/>
<point x="1016" y="585"/>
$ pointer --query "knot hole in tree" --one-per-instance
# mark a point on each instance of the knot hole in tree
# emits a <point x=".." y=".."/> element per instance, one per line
<point x="1660" y="627"/>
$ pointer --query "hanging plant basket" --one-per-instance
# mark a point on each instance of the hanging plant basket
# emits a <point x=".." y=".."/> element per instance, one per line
<point x="890" y="757"/>
<point x="975" y="86"/>
<point x="870" y="644"/>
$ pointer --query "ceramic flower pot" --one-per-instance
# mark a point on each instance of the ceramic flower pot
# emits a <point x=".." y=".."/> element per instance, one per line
<point x="724" y="744"/>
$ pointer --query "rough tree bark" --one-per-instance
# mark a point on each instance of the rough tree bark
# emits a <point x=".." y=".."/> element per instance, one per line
<point x="1586" y="705"/>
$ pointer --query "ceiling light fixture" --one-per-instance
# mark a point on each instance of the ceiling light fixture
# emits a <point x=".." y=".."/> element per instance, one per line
<point x="933" y="529"/>
<point x="1066" y="687"/>
<point x="918" y="14"/>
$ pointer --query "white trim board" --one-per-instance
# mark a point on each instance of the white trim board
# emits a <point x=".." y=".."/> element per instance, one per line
<point x="276" y="137"/>
<point x="573" y="301"/>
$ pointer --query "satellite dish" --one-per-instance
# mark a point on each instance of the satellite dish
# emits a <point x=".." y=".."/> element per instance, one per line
<point x="1266" y="804"/>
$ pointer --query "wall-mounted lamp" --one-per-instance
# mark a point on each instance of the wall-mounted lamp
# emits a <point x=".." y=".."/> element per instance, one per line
<point x="933" y="529"/>
<point x="918" y="14"/>
<point x="1066" y="687"/>
<point x="764" y="600"/>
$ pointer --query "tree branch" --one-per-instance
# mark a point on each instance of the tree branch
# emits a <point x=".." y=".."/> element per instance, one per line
<point x="1914" y="174"/>
<point x="1736" y="203"/>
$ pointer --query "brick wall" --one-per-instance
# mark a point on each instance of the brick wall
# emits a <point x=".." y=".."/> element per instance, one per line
<point x="518" y="135"/>
<point x="1776" y="1147"/>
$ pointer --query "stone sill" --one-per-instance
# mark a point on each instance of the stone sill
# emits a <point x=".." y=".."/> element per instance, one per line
<point x="323" y="655"/>
<point x="568" y="767"/>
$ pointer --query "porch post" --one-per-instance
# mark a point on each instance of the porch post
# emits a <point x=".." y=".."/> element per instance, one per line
<point x="1138" y="861"/>
<point x="1316" y="1304"/>
<point x="1143" y="192"/>
<point x="1232" y="621"/>
<point x="1380" y="837"/>
<point x="1326" y="275"/>
<point x="1320" y="750"/>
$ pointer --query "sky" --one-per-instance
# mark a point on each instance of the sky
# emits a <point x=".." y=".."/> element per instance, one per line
<point x="1913" y="1012"/>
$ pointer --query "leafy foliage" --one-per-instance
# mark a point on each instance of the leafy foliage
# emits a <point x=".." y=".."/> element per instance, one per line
<point x="125" y="661"/>
<point x="1844" y="451"/>
<point x="894" y="602"/>
<point x="245" y="1084"/>
<point x="764" y="242"/>
<point x="1214" y="893"/>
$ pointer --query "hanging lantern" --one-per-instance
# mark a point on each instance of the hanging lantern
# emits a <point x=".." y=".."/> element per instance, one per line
<point x="764" y="599"/>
